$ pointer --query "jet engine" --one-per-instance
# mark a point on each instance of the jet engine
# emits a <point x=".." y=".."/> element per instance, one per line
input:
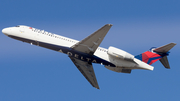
<point x="118" y="53"/>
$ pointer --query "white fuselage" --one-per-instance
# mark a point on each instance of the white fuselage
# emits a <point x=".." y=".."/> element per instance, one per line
<point x="64" y="44"/>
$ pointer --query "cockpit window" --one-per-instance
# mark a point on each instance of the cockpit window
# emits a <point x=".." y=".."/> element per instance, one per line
<point x="17" y="26"/>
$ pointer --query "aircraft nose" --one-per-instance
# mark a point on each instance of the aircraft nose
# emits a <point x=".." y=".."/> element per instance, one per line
<point x="6" y="31"/>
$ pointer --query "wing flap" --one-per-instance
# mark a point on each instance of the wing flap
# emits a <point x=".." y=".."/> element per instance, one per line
<point x="87" y="70"/>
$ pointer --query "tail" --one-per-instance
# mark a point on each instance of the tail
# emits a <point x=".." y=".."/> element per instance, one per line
<point x="156" y="54"/>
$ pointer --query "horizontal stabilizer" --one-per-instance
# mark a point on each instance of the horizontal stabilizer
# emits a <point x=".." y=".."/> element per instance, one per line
<point x="165" y="48"/>
<point x="165" y="62"/>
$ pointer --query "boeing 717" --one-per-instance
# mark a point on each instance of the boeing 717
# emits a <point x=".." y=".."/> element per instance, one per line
<point x="87" y="51"/>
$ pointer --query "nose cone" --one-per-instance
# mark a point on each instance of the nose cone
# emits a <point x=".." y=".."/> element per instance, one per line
<point x="6" y="31"/>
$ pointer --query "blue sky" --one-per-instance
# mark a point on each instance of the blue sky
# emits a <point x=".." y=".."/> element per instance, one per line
<point x="31" y="73"/>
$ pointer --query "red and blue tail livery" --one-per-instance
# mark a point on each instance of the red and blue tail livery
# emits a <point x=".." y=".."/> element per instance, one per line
<point x="149" y="57"/>
<point x="156" y="54"/>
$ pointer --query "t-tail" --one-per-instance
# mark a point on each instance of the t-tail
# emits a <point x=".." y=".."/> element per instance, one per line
<point x="156" y="54"/>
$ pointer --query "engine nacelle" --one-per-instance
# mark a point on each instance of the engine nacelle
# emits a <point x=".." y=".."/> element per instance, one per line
<point x="118" y="53"/>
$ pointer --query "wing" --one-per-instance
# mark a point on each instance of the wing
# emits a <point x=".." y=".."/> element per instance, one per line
<point x="87" y="70"/>
<point x="91" y="43"/>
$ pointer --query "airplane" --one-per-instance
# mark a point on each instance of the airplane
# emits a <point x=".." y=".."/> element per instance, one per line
<point x="87" y="51"/>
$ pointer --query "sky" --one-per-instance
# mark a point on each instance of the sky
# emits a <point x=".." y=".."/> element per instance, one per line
<point x="32" y="73"/>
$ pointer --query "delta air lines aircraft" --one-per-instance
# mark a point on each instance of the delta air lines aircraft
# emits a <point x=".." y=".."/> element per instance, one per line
<point x="87" y="51"/>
